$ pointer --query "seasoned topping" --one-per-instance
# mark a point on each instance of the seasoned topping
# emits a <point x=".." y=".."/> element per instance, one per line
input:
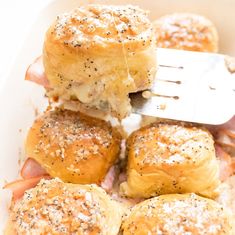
<point x="186" y="31"/>
<point x="162" y="143"/>
<point x="57" y="208"/>
<point x="64" y="128"/>
<point x="68" y="144"/>
<point x="171" y="157"/>
<point x="178" y="214"/>
<point x="100" y="24"/>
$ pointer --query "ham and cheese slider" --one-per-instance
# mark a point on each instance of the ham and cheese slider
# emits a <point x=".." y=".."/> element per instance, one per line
<point x="186" y="31"/>
<point x="54" y="207"/>
<point x="72" y="146"/>
<point x="178" y="214"/>
<point x="171" y="158"/>
<point x="95" y="55"/>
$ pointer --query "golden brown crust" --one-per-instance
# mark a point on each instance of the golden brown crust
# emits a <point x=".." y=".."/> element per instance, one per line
<point x="186" y="31"/>
<point x="171" y="158"/>
<point x="98" y="54"/>
<point x="54" y="207"/>
<point x="72" y="146"/>
<point x="178" y="214"/>
<point x="99" y="27"/>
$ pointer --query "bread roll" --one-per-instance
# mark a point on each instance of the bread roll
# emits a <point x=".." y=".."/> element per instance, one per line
<point x="54" y="207"/>
<point x="171" y="158"/>
<point x="178" y="214"/>
<point x="98" y="54"/>
<point x="186" y="31"/>
<point x="72" y="146"/>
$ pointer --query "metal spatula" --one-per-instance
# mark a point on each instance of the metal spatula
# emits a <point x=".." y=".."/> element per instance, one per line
<point x="190" y="86"/>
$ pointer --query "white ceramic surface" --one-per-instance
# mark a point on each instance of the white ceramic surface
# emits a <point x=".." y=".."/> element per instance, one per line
<point x="21" y="100"/>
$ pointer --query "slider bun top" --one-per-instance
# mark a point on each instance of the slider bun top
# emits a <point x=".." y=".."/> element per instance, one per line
<point x="171" y="158"/>
<point x="54" y="207"/>
<point x="178" y="214"/>
<point x="98" y="54"/>
<point x="101" y="27"/>
<point x="72" y="146"/>
<point x="186" y="31"/>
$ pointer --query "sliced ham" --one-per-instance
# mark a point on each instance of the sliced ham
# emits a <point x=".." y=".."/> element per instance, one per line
<point x="224" y="135"/>
<point x="36" y="73"/>
<point x="108" y="182"/>
<point x="122" y="177"/>
<point x="31" y="169"/>
<point x="226" y="138"/>
<point x="230" y="125"/>
<point x="226" y="163"/>
<point x="18" y="187"/>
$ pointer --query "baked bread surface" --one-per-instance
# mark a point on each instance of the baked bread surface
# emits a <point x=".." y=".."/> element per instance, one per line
<point x="54" y="207"/>
<point x="186" y="31"/>
<point x="177" y="214"/>
<point x="171" y="158"/>
<point x="72" y="146"/>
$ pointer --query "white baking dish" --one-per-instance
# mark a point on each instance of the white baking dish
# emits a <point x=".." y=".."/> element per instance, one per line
<point x="21" y="100"/>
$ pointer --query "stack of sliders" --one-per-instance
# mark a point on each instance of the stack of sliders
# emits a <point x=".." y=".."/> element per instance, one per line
<point x="75" y="179"/>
